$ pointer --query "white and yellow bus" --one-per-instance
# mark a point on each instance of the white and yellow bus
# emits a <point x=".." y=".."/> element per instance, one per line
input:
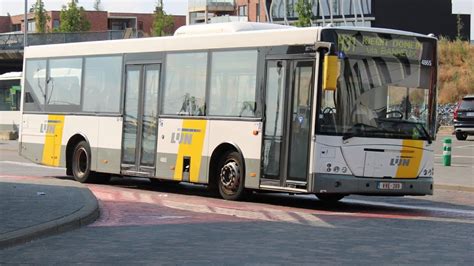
<point x="330" y="111"/>
<point x="10" y="93"/>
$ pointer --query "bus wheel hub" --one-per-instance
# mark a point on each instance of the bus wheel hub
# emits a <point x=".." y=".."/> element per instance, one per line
<point x="230" y="175"/>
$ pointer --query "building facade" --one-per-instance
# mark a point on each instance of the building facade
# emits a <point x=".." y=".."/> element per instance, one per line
<point x="140" y="24"/>
<point x="422" y="16"/>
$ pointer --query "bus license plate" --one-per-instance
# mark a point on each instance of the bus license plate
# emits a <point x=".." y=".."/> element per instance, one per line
<point x="470" y="114"/>
<point x="389" y="186"/>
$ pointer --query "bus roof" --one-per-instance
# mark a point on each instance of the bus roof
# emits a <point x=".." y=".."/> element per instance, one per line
<point x="269" y="37"/>
<point x="10" y="76"/>
<point x="230" y="27"/>
<point x="201" y="37"/>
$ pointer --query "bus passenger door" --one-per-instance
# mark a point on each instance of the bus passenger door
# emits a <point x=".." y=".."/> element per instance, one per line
<point x="288" y="110"/>
<point x="140" y="122"/>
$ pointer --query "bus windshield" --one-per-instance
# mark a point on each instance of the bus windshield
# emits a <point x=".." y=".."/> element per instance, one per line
<point x="386" y="87"/>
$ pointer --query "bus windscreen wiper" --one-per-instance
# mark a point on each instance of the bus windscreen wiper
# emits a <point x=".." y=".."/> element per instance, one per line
<point x="424" y="131"/>
<point x="350" y="134"/>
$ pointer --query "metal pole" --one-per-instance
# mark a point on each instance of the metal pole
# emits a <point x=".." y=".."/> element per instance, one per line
<point x="25" y="33"/>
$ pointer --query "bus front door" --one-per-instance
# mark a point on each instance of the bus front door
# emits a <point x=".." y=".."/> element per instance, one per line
<point x="288" y="109"/>
<point x="139" y="138"/>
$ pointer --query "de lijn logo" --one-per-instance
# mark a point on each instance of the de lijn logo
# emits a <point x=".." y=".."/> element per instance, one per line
<point x="400" y="161"/>
<point x="184" y="135"/>
<point x="49" y="127"/>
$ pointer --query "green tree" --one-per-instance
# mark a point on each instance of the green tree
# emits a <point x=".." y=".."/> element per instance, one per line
<point x="97" y="5"/>
<point x="73" y="18"/>
<point x="41" y="17"/>
<point x="304" y="10"/>
<point x="163" y="24"/>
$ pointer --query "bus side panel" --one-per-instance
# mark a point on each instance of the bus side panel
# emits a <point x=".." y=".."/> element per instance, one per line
<point x="10" y="120"/>
<point x="109" y="145"/>
<point x="182" y="148"/>
<point x="34" y="128"/>
<point x="87" y="126"/>
<point x="246" y="136"/>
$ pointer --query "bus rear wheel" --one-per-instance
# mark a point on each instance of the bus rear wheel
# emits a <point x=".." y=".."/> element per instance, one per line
<point x="231" y="176"/>
<point x="81" y="162"/>
<point x="330" y="198"/>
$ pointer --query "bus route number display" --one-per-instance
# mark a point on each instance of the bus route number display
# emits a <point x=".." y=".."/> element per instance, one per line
<point x="370" y="44"/>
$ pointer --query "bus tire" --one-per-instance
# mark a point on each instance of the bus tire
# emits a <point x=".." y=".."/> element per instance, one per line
<point x="330" y="198"/>
<point x="230" y="176"/>
<point x="81" y="162"/>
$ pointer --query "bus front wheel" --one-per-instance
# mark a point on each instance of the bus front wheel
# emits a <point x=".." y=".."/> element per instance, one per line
<point x="81" y="162"/>
<point x="231" y="176"/>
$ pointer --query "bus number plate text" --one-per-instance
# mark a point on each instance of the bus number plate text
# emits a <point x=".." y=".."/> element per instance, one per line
<point x="389" y="186"/>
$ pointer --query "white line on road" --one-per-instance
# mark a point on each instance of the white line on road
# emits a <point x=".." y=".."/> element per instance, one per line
<point x="31" y="165"/>
<point x="455" y="165"/>
<point x="455" y="156"/>
<point x="463" y="146"/>
<point x="424" y="208"/>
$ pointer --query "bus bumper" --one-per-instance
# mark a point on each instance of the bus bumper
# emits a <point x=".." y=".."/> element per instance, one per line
<point x="346" y="184"/>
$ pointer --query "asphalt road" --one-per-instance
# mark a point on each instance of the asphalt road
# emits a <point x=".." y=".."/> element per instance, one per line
<point x="141" y="223"/>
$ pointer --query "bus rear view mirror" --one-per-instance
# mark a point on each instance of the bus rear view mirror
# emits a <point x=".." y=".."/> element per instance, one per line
<point x="330" y="72"/>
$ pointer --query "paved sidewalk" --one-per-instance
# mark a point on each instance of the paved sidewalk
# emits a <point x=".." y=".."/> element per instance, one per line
<point x="35" y="207"/>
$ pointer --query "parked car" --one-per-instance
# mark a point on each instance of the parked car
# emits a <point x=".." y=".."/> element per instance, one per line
<point x="464" y="118"/>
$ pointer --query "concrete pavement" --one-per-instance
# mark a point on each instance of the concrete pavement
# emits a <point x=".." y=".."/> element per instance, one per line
<point x="35" y="207"/>
<point x="32" y="207"/>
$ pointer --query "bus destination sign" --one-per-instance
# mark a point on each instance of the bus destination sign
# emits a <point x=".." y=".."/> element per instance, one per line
<point x="370" y="44"/>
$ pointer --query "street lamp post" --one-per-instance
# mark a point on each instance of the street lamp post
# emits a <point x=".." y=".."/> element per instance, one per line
<point x="25" y="33"/>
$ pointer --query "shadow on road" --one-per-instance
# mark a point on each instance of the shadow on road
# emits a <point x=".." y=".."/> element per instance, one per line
<point x="352" y="204"/>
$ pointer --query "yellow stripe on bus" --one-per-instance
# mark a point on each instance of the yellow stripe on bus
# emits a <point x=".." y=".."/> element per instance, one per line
<point x="191" y="143"/>
<point x="52" y="142"/>
<point x="410" y="155"/>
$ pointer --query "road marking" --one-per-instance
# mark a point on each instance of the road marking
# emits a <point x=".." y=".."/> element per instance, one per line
<point x="456" y="165"/>
<point x="311" y="219"/>
<point x="424" y="208"/>
<point x="32" y="165"/>
<point x="463" y="146"/>
<point x="454" y="156"/>
<point x="282" y="216"/>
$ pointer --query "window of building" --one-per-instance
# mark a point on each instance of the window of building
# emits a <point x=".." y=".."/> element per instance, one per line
<point x="64" y="82"/>
<point x="102" y="82"/>
<point x="55" y="23"/>
<point x="185" y="84"/>
<point x="35" y="85"/>
<point x="16" y="27"/>
<point x="258" y="12"/>
<point x="243" y="11"/>
<point x="233" y="83"/>
<point x="31" y="26"/>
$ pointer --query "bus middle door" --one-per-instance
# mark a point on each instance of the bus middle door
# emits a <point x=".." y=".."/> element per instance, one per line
<point x="140" y="122"/>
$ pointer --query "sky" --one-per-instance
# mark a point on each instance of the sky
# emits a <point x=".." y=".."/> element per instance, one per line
<point x="175" y="7"/>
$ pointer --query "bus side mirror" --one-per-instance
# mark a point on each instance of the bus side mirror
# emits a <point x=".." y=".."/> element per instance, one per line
<point x="330" y="72"/>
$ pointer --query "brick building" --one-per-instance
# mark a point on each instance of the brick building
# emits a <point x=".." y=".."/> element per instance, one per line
<point x="139" y="23"/>
<point x="254" y="10"/>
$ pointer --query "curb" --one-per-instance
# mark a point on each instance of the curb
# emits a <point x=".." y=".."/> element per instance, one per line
<point x="86" y="215"/>
<point x="454" y="187"/>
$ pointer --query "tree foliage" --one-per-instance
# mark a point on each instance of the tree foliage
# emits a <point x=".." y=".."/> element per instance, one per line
<point x="163" y="24"/>
<point x="304" y="10"/>
<point x="73" y="18"/>
<point x="41" y="17"/>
